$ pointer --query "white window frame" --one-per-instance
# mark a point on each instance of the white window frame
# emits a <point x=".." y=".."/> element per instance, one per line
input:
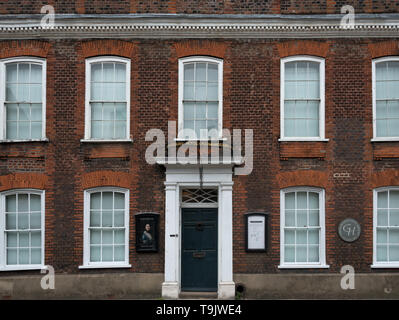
<point x="86" y="236"/>
<point x="191" y="59"/>
<point x="3" y="265"/>
<point x="89" y="62"/>
<point x="374" y="89"/>
<point x="322" y="239"/>
<point x="3" y="116"/>
<point x="379" y="264"/>
<point x="321" y="62"/>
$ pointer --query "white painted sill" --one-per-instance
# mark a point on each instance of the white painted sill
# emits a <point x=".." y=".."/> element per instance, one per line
<point x="23" y="267"/>
<point x="105" y="141"/>
<point x="384" y="266"/>
<point x="303" y="140"/>
<point x="304" y="266"/>
<point x="384" y="139"/>
<point x="105" y="266"/>
<point x="26" y="140"/>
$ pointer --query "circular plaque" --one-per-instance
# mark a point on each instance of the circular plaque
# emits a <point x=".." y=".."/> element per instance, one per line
<point x="349" y="230"/>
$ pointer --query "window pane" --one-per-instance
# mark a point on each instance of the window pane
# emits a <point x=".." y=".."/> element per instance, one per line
<point x="95" y="237"/>
<point x="290" y="71"/>
<point x="382" y="126"/>
<point x="382" y="217"/>
<point x="189" y="71"/>
<point x="119" y="253"/>
<point x="35" y="221"/>
<point x="212" y="72"/>
<point x="189" y="110"/>
<point x="290" y="218"/>
<point x="108" y="72"/>
<point x="382" y="236"/>
<point x="302" y="218"/>
<point x="289" y="128"/>
<point x="200" y="91"/>
<point x="313" y="254"/>
<point x="212" y="91"/>
<point x="12" y="256"/>
<point x="301" y="200"/>
<point x="36" y="256"/>
<point x="119" y="200"/>
<point x="200" y="111"/>
<point x="289" y="252"/>
<point x="313" y="236"/>
<point x="394" y="217"/>
<point x="213" y="110"/>
<point x="107" y="253"/>
<point x="120" y="92"/>
<point x="11" y="203"/>
<point x="394" y="253"/>
<point x="120" y="130"/>
<point x="96" y="72"/>
<point x="313" y="71"/>
<point x="120" y="111"/>
<point x="120" y="72"/>
<point x="11" y="72"/>
<point x="96" y="91"/>
<point x="23" y="204"/>
<point x="23" y="221"/>
<point x="200" y="72"/>
<point x="11" y="221"/>
<point x="107" y="237"/>
<point x="188" y="91"/>
<point x="95" y="218"/>
<point x="36" y="240"/>
<point x="108" y="129"/>
<point x="95" y="253"/>
<point x="119" y="236"/>
<point x="107" y="218"/>
<point x="290" y="200"/>
<point x="301" y="237"/>
<point x="301" y="254"/>
<point x="23" y="256"/>
<point x="382" y="199"/>
<point x="394" y="199"/>
<point x="119" y="218"/>
<point x="289" y="237"/>
<point x="12" y="239"/>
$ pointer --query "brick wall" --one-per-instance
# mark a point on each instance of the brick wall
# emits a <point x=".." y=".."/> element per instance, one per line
<point x="348" y="166"/>
<point x="200" y="7"/>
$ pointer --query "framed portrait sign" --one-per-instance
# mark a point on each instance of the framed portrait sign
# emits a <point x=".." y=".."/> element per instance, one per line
<point x="256" y="232"/>
<point x="147" y="232"/>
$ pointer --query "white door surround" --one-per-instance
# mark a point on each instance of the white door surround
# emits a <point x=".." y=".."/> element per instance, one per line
<point x="179" y="177"/>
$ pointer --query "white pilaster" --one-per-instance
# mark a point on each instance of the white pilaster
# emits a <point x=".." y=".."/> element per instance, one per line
<point x="171" y="286"/>
<point x="226" y="287"/>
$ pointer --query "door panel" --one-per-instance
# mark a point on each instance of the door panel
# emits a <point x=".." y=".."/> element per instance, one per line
<point x="199" y="249"/>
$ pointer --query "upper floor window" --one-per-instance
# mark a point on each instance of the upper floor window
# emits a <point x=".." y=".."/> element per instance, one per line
<point x="302" y="228"/>
<point x="106" y="227"/>
<point x="386" y="227"/>
<point x="200" y="98"/>
<point x="23" y="98"/>
<point x="302" y="98"/>
<point x="22" y="230"/>
<point x="386" y="98"/>
<point x="107" y="98"/>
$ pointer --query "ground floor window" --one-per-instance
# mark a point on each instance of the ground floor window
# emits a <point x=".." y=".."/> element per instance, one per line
<point x="106" y="233"/>
<point x="22" y="229"/>
<point x="386" y="226"/>
<point x="302" y="227"/>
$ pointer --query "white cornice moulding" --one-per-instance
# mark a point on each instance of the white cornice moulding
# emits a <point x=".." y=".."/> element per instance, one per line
<point x="198" y="26"/>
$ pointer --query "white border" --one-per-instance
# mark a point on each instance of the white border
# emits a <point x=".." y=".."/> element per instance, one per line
<point x="322" y="239"/>
<point x="3" y="266"/>
<point x="86" y="222"/>
<point x="321" y="62"/>
<point x="377" y="264"/>
<point x="29" y="59"/>
<point x="374" y="86"/>
<point x="89" y="61"/>
<point x="183" y="61"/>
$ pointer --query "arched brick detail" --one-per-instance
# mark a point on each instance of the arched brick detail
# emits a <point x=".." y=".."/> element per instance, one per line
<point x="200" y="47"/>
<point x="384" y="48"/>
<point x="303" y="47"/>
<point x="108" y="47"/>
<point x="23" y="181"/>
<point x="385" y="178"/>
<point x="309" y="178"/>
<point x="15" y="48"/>
<point x="105" y="179"/>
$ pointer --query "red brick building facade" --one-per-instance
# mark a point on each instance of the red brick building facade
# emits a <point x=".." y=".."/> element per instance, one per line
<point x="347" y="165"/>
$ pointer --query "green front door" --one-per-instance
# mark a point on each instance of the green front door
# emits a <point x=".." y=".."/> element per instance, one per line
<point x="199" y="263"/>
